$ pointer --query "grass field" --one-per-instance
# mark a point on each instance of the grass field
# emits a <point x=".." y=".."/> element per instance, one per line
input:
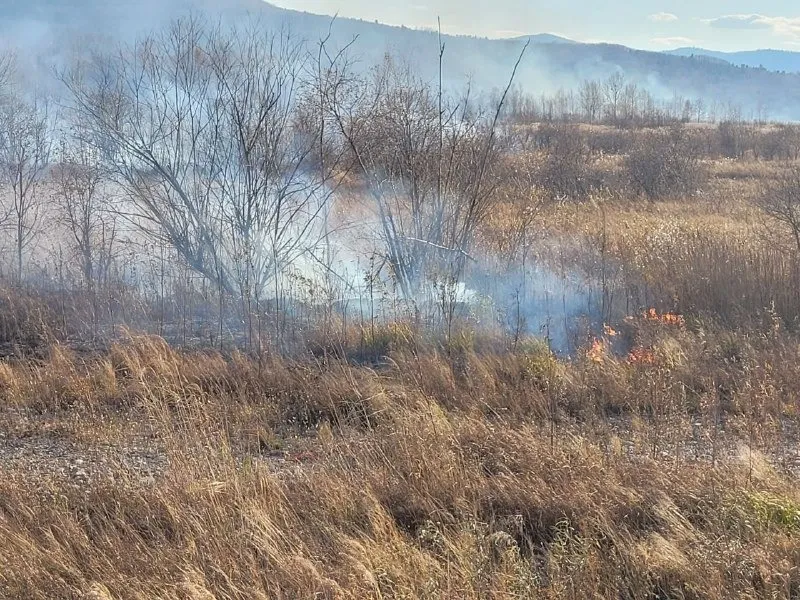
<point x="655" y="457"/>
<point x="670" y="472"/>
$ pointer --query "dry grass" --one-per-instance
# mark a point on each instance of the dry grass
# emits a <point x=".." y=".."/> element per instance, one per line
<point x="478" y="476"/>
<point x="659" y="461"/>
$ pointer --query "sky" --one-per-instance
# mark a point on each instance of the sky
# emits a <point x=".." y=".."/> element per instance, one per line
<point x="648" y="24"/>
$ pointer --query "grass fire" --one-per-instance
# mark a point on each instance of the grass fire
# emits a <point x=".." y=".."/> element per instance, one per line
<point x="278" y="320"/>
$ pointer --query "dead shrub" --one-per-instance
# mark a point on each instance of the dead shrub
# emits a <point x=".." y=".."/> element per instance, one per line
<point x="665" y="164"/>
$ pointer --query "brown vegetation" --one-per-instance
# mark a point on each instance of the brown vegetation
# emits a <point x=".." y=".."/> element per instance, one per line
<point x="208" y="408"/>
<point x="510" y="475"/>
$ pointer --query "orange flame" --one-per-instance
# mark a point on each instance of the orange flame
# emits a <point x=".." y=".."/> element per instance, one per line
<point x="609" y="331"/>
<point x="641" y="356"/>
<point x="596" y="353"/>
<point x="668" y="318"/>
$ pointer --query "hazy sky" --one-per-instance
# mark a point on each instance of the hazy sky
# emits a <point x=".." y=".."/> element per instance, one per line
<point x="650" y="24"/>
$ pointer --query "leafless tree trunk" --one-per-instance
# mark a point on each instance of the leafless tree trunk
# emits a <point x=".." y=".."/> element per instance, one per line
<point x="198" y="124"/>
<point x="7" y="65"/>
<point x="781" y="204"/>
<point x="79" y="193"/>
<point x="428" y="163"/>
<point x="25" y="144"/>
<point x="591" y="96"/>
<point x="613" y="89"/>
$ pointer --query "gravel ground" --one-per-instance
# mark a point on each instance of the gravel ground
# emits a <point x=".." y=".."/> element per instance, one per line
<point x="77" y="463"/>
<point x="47" y="448"/>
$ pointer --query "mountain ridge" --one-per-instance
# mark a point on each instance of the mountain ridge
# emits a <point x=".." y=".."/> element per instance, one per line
<point x="767" y="58"/>
<point x="40" y="28"/>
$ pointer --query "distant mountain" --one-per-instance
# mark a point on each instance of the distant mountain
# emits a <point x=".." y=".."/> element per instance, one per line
<point x="545" y="38"/>
<point x="48" y="29"/>
<point x="772" y="60"/>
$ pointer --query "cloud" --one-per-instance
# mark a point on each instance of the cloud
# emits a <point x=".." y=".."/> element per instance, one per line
<point x="739" y="22"/>
<point x="662" y="17"/>
<point x="783" y="26"/>
<point x="672" y="41"/>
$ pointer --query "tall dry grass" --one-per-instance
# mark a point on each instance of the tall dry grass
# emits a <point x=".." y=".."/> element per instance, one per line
<point x="381" y="461"/>
<point x="506" y="475"/>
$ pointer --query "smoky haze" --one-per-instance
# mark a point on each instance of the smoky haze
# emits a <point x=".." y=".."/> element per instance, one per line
<point x="225" y="158"/>
<point x="46" y="32"/>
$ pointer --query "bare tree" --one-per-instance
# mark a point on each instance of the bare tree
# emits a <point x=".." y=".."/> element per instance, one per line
<point x="564" y="172"/>
<point x="80" y="194"/>
<point x="700" y="109"/>
<point x="7" y="65"/>
<point x="591" y="98"/>
<point x="25" y="145"/>
<point x="664" y="164"/>
<point x="781" y="203"/>
<point x="629" y="102"/>
<point x="200" y="126"/>
<point x="428" y="163"/>
<point x="613" y="89"/>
